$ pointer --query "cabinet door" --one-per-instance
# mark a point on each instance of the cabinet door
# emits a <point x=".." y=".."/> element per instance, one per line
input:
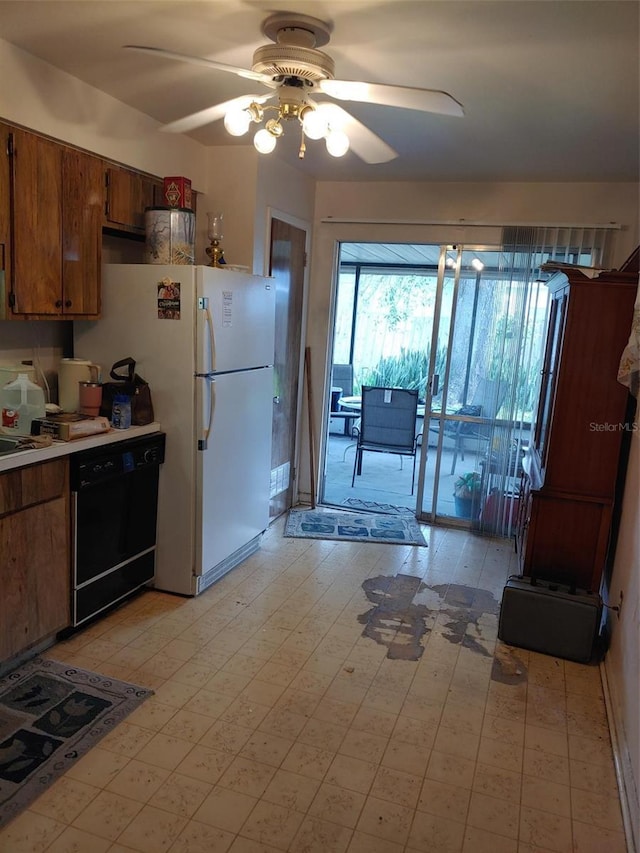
<point x="5" y="221"/>
<point x="35" y="569"/>
<point x="82" y="191"/>
<point x="36" y="224"/>
<point x="555" y="332"/>
<point x="128" y="194"/>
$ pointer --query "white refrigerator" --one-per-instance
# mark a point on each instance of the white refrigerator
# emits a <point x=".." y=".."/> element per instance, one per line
<point x="203" y="338"/>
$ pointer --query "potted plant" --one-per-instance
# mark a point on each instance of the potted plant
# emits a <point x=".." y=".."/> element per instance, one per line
<point x="466" y="493"/>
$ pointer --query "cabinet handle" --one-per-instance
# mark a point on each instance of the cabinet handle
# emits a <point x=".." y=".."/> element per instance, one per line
<point x="58" y="303"/>
<point x="67" y="303"/>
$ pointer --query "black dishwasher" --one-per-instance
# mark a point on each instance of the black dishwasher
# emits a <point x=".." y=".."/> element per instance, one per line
<point x="114" y="493"/>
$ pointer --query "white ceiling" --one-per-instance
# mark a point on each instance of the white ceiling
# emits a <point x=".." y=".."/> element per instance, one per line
<point x="550" y="87"/>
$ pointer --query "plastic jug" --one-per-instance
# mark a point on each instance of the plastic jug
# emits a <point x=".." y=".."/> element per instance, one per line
<point x="20" y="402"/>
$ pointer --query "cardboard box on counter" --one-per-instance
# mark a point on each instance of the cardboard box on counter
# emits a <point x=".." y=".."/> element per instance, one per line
<point x="66" y="427"/>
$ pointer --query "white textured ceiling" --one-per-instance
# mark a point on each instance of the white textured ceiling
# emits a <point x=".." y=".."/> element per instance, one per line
<point x="550" y="87"/>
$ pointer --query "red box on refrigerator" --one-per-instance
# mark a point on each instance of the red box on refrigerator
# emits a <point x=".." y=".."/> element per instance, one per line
<point x="177" y="192"/>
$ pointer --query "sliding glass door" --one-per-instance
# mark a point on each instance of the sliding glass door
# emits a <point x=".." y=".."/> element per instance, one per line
<point x="382" y="336"/>
<point x="491" y="323"/>
<point x="465" y="326"/>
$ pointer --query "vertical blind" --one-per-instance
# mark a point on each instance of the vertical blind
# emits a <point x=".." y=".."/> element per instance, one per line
<point x="517" y="346"/>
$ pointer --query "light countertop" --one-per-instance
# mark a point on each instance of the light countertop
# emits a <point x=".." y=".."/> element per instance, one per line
<point x="65" y="448"/>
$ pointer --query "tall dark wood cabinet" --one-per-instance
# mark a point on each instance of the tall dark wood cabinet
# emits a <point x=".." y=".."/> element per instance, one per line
<point x="568" y="488"/>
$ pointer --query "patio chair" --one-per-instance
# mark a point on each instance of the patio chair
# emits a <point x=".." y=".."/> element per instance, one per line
<point x="387" y="425"/>
<point x="485" y="404"/>
<point x="342" y="378"/>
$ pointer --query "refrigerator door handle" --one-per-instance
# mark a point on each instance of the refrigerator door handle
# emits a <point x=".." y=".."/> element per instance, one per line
<point x="207" y="320"/>
<point x="203" y="442"/>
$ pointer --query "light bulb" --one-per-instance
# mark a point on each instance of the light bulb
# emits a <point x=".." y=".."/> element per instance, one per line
<point x="264" y="142"/>
<point x="314" y="125"/>
<point x="337" y="143"/>
<point x="237" y="122"/>
<point x="477" y="264"/>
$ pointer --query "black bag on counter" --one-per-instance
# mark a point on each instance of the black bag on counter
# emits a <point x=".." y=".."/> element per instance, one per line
<point x="133" y="386"/>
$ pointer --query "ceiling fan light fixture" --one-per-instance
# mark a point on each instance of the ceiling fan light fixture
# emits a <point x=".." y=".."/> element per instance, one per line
<point x="237" y="122"/>
<point x="295" y="68"/>
<point x="314" y="124"/>
<point x="264" y="141"/>
<point x="274" y="127"/>
<point x="337" y="143"/>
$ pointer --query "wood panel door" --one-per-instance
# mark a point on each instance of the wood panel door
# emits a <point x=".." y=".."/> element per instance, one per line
<point x="128" y="194"/>
<point x="35" y="570"/>
<point x="287" y="262"/>
<point x="82" y="189"/>
<point x="37" y="224"/>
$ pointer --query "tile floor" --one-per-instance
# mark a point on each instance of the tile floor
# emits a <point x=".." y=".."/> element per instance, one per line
<point x="276" y="726"/>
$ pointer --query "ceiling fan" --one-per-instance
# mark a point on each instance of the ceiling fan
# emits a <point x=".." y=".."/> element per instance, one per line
<point x="299" y="72"/>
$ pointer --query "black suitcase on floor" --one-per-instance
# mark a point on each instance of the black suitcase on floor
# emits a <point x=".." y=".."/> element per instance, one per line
<point x="550" y="618"/>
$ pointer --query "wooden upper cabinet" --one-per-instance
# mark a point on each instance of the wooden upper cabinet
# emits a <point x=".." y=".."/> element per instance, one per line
<point x="128" y="193"/>
<point x="82" y="204"/>
<point x="5" y="219"/>
<point x="36" y="208"/>
<point x="55" y="201"/>
<point x="54" y="225"/>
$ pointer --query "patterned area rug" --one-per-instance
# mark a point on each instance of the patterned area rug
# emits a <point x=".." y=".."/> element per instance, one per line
<point x="354" y="527"/>
<point x="50" y="715"/>
<point x="372" y="506"/>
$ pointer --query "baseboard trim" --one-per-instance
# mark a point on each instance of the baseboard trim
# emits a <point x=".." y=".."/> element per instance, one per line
<point x="619" y="764"/>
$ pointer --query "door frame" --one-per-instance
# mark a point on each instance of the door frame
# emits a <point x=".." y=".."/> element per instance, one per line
<point x="444" y="249"/>
<point x="305" y="226"/>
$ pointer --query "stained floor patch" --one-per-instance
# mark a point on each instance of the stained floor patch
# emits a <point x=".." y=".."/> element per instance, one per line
<point x="400" y="623"/>
<point x="507" y="667"/>
<point x="465" y="606"/>
<point x="395" y="621"/>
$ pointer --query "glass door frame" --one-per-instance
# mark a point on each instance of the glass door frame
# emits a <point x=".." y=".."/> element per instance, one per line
<point x="431" y="392"/>
<point x="440" y="385"/>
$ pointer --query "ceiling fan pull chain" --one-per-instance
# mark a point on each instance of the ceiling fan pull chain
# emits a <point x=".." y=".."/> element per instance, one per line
<point x="303" y="147"/>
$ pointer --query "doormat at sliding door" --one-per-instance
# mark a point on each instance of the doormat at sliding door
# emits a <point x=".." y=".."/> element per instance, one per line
<point x="354" y="527"/>
<point x="51" y="714"/>
<point x="373" y="506"/>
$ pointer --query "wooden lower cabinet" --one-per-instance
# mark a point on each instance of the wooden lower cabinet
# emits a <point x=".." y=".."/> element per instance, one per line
<point x="565" y="538"/>
<point x="35" y="555"/>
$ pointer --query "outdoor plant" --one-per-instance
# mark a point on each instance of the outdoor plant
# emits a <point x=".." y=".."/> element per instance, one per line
<point x="409" y="370"/>
<point x="467" y="485"/>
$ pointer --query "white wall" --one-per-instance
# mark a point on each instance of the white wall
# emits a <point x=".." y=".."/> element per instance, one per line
<point x="42" y="98"/>
<point x="283" y="189"/>
<point x="622" y="662"/>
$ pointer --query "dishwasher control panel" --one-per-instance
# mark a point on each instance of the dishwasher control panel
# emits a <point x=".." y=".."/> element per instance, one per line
<point x="89" y="467"/>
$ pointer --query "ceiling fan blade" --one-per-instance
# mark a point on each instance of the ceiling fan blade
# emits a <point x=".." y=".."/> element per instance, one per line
<point x="211" y="114"/>
<point x="199" y="60"/>
<point x="362" y="141"/>
<point x="423" y="100"/>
